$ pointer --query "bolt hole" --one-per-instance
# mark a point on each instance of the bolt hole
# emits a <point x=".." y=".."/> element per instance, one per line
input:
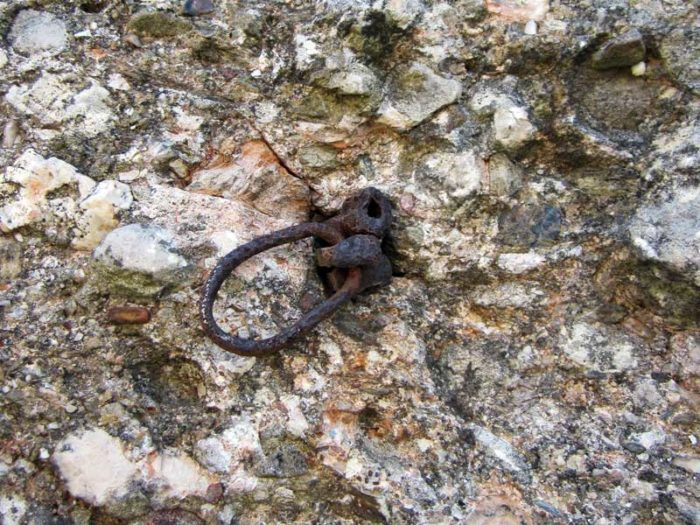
<point x="374" y="210"/>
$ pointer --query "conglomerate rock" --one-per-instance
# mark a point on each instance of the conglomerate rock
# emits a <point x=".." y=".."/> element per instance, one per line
<point x="536" y="358"/>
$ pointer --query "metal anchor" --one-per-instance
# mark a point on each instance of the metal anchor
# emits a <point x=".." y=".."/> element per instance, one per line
<point x="354" y="256"/>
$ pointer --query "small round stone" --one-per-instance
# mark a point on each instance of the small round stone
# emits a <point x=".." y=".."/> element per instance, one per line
<point x="639" y="69"/>
<point x="198" y="7"/>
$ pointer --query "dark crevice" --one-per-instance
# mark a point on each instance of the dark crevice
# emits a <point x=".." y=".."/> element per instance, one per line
<point x="374" y="210"/>
<point x="281" y="161"/>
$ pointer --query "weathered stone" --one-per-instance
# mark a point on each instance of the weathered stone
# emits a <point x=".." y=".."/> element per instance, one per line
<point x="600" y="349"/>
<point x="504" y="178"/>
<point x="500" y="449"/>
<point x="669" y="232"/>
<point x="38" y="32"/>
<point x="46" y="98"/>
<point x="624" y="50"/>
<point x="51" y="101"/>
<point x="529" y="225"/>
<point x="512" y="127"/>
<point x="140" y="248"/>
<point x="198" y="7"/>
<point x="639" y="69"/>
<point x="415" y="93"/>
<point x="508" y="295"/>
<point x="404" y="12"/>
<point x="518" y="263"/>
<point x="37" y="178"/>
<point x="319" y="157"/>
<point x="356" y="79"/>
<point x="255" y="176"/>
<point x="651" y="439"/>
<point x="140" y="259"/>
<point x="461" y="174"/>
<point x="176" y="475"/>
<point x="530" y="28"/>
<point x="307" y="52"/>
<point x="112" y="192"/>
<point x="497" y="514"/>
<point x="691" y="464"/>
<point x="13" y="508"/>
<point x="97" y="469"/>
<point x="94" y="466"/>
<point x="283" y="461"/>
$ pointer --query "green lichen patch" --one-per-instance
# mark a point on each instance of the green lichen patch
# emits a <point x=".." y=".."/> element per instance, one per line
<point x="157" y="25"/>
<point x="640" y="286"/>
<point x="375" y="38"/>
<point x="318" y="103"/>
<point x="124" y="283"/>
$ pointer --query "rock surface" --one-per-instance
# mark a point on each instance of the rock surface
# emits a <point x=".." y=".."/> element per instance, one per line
<point x="536" y="358"/>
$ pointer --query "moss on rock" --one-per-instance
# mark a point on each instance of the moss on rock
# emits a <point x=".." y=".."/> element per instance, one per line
<point x="157" y="25"/>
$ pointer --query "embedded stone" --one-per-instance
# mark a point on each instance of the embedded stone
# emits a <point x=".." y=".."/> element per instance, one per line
<point x="140" y="259"/>
<point x="624" y="50"/>
<point x="94" y="466"/>
<point x="38" y="32"/>
<point x="669" y="232"/>
<point x="414" y="95"/>
<point x="600" y="349"/>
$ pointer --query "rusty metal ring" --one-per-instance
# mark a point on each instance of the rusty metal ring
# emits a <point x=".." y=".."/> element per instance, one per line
<point x="223" y="269"/>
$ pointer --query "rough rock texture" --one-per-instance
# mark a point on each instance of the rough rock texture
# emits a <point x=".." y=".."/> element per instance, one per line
<point x="536" y="358"/>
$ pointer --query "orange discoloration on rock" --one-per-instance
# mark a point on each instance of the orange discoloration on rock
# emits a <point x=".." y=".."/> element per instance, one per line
<point x="97" y="53"/>
<point x="252" y="172"/>
<point x="358" y="362"/>
<point x="256" y="152"/>
<point x="334" y="416"/>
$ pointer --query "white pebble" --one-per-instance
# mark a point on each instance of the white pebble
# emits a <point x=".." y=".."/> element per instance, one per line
<point x="639" y="69"/>
<point x="531" y="27"/>
<point x="10" y="135"/>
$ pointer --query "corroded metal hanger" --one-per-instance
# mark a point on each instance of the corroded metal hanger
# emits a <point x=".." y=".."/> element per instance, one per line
<point x="354" y="256"/>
